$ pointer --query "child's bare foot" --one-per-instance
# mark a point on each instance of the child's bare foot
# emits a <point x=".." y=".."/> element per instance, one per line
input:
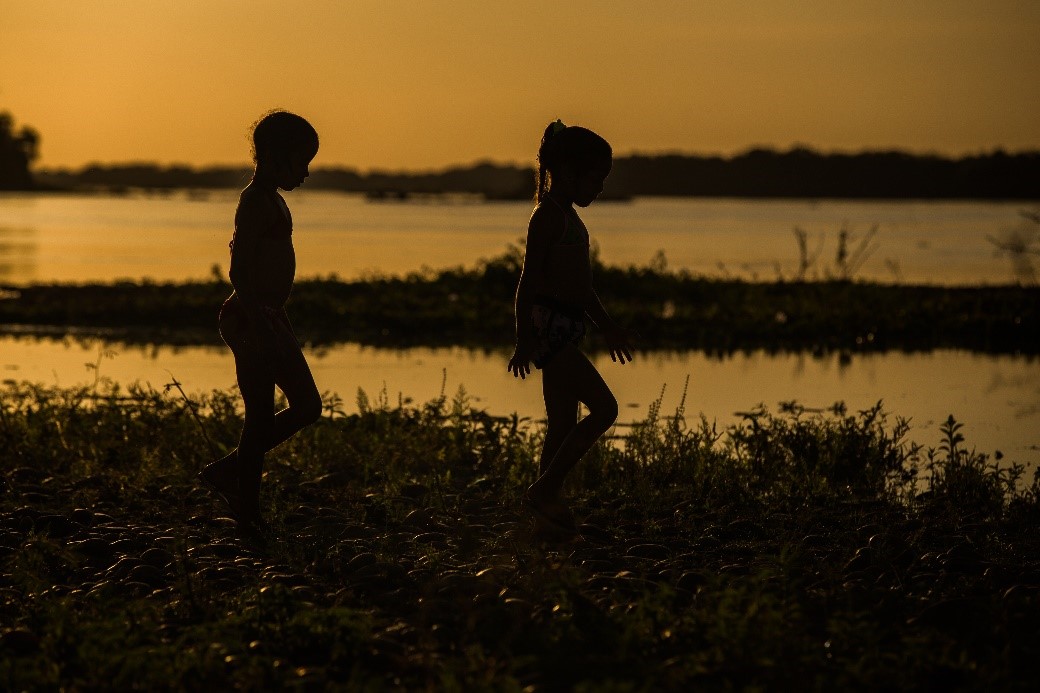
<point x="245" y="510"/>
<point x="550" y="512"/>
<point x="222" y="474"/>
<point x="223" y="486"/>
<point x="223" y="477"/>
<point x="247" y="514"/>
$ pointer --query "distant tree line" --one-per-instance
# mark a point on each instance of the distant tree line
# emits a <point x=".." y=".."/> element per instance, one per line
<point x="490" y="180"/>
<point x="799" y="172"/>
<point x="17" y="152"/>
<point x="805" y="173"/>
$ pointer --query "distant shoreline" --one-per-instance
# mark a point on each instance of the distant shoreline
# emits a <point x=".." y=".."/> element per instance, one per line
<point x="756" y="174"/>
<point x="476" y="198"/>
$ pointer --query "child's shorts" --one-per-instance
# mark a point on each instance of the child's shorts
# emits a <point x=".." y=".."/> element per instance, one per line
<point x="556" y="324"/>
<point x="236" y="332"/>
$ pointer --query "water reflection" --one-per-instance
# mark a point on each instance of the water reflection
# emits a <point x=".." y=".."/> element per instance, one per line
<point x="18" y="254"/>
<point x="1020" y="244"/>
<point x="180" y="235"/>
<point x="996" y="397"/>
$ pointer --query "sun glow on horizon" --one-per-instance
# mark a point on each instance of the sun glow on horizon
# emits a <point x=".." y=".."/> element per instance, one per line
<point x="423" y="86"/>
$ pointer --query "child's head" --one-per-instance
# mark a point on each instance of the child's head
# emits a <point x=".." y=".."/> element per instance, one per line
<point x="575" y="156"/>
<point x="284" y="143"/>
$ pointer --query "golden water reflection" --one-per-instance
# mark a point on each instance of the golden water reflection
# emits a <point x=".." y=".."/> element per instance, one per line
<point x="181" y="235"/>
<point x="996" y="397"/>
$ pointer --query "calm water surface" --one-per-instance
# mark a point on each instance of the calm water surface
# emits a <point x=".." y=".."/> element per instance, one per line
<point x="62" y="237"/>
<point x="996" y="397"/>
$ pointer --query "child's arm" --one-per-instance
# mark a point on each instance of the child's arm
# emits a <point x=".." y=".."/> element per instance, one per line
<point x="617" y="337"/>
<point x="595" y="310"/>
<point x="540" y="232"/>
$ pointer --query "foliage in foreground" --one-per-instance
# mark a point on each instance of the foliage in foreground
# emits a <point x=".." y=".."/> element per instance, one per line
<point x="817" y="547"/>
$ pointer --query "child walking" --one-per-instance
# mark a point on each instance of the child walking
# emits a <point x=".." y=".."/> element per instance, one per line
<point x="253" y="321"/>
<point x="554" y="299"/>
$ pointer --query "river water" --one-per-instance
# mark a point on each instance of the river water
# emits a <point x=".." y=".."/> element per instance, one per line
<point x="997" y="398"/>
<point x="78" y="238"/>
<point x="63" y="237"/>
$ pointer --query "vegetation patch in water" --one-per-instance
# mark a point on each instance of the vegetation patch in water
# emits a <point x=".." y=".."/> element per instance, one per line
<point x="473" y="307"/>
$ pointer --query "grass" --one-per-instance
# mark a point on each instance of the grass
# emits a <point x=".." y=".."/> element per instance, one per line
<point x="822" y="548"/>
<point x="473" y="307"/>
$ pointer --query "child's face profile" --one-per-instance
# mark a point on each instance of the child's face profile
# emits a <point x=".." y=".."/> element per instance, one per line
<point x="588" y="184"/>
<point x="295" y="169"/>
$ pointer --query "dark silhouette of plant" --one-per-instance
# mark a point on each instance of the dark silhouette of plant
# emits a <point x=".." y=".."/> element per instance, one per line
<point x="1019" y="243"/>
<point x="846" y="262"/>
<point x="17" y="151"/>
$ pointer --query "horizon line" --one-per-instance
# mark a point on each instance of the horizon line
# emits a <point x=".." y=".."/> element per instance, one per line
<point x="982" y="151"/>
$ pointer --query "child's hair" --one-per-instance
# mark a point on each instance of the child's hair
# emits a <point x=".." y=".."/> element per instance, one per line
<point x="568" y="144"/>
<point x="279" y="133"/>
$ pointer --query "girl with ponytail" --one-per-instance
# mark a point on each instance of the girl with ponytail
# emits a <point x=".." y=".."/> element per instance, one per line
<point x="555" y="301"/>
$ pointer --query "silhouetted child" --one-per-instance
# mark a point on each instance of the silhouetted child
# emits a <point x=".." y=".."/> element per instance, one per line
<point x="554" y="299"/>
<point x="253" y="321"/>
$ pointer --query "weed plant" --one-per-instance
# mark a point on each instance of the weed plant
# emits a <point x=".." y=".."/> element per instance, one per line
<point x="821" y="549"/>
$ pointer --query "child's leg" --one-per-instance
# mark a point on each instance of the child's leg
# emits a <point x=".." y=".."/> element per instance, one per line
<point x="256" y="383"/>
<point x="571" y="374"/>
<point x="561" y="414"/>
<point x="238" y="474"/>
<point x="294" y="379"/>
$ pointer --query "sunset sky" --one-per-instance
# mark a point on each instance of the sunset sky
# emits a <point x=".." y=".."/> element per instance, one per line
<point x="420" y="85"/>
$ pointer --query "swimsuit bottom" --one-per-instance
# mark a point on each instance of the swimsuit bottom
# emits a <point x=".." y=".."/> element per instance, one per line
<point x="235" y="329"/>
<point x="556" y="324"/>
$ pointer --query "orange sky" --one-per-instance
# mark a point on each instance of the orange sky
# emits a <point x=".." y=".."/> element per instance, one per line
<point x="408" y="84"/>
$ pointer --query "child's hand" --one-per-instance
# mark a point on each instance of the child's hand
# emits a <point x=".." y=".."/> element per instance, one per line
<point x="619" y="344"/>
<point x="520" y="363"/>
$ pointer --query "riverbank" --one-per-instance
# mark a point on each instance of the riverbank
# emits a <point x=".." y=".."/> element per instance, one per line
<point x="473" y="307"/>
<point x="819" y="547"/>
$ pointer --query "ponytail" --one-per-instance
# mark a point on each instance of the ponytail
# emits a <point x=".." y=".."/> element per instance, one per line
<point x="545" y="157"/>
